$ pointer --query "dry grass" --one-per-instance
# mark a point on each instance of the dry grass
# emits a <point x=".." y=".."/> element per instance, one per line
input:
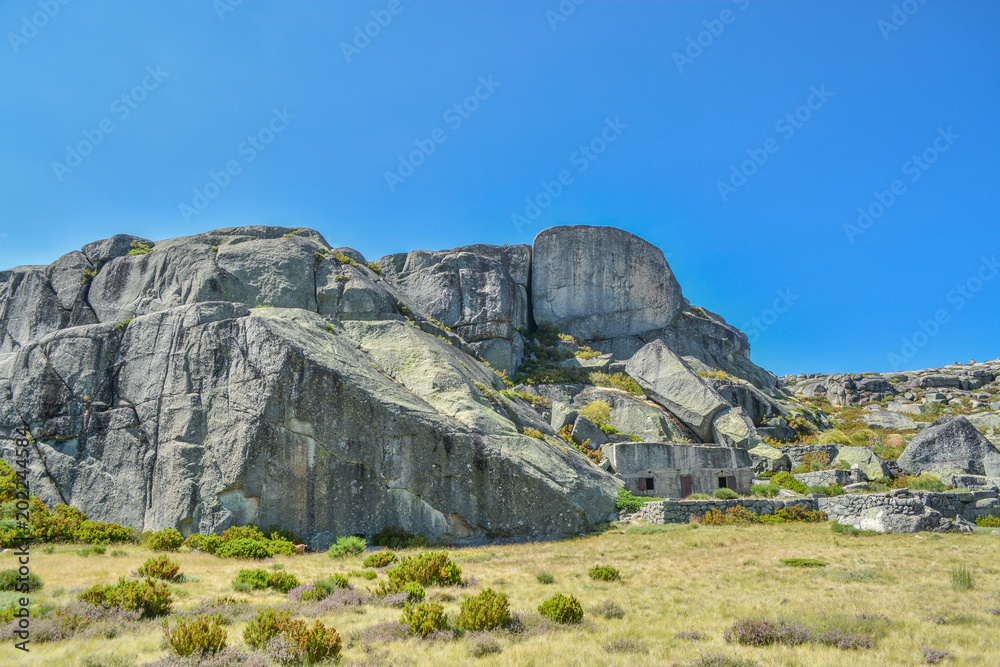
<point x="677" y="581"/>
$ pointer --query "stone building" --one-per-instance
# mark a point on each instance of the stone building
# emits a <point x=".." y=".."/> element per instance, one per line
<point x="676" y="470"/>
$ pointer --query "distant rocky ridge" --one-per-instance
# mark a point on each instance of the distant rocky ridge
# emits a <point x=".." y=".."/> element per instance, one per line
<point x="259" y="375"/>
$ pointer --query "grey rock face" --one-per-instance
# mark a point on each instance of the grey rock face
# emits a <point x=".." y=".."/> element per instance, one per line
<point x="324" y="411"/>
<point x="632" y="415"/>
<point x="670" y="382"/>
<point x="766" y="458"/>
<point x="950" y="447"/>
<point x="601" y="281"/>
<point x="732" y="427"/>
<point x="889" y="420"/>
<point x="586" y="432"/>
<point x="479" y="291"/>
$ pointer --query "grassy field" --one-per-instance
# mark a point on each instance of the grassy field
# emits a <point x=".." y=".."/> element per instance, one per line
<point x="682" y="587"/>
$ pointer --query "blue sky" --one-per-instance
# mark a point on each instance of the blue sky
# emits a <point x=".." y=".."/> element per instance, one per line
<point x="643" y="109"/>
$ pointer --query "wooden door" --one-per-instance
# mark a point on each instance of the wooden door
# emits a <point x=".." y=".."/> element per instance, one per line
<point x="685" y="487"/>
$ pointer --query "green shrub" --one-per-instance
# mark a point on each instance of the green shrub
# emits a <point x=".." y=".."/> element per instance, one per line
<point x="93" y="532"/>
<point x="616" y="381"/>
<point x="545" y="578"/>
<point x="831" y="490"/>
<point x="431" y="568"/>
<point x="380" y="559"/>
<point x="207" y="543"/>
<point x="55" y="525"/>
<point x="699" y="496"/>
<point x="734" y="516"/>
<point x="598" y="412"/>
<point x="312" y="644"/>
<point x="562" y="609"/>
<point x="533" y="433"/>
<point x="151" y="598"/>
<point x="243" y="548"/>
<point x="202" y="635"/>
<point x="346" y="546"/>
<point x="283" y="581"/>
<point x="414" y="591"/>
<point x="424" y="618"/>
<point x="484" y="612"/>
<point x="800" y="513"/>
<point x="11" y="580"/>
<point x="834" y="436"/>
<point x="266" y="624"/>
<point x="924" y="482"/>
<point x="167" y="539"/>
<point x="769" y="490"/>
<point x="786" y="480"/>
<point x="160" y="567"/>
<point x="804" y="562"/>
<point x="725" y="494"/>
<point x="604" y="573"/>
<point x="397" y="538"/>
<point x="988" y="521"/>
<point x="138" y="248"/>
<point x="252" y="580"/>
<point x="280" y="547"/>
<point x="628" y="502"/>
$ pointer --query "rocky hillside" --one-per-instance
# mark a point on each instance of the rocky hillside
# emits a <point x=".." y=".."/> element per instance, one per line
<point x="260" y="375"/>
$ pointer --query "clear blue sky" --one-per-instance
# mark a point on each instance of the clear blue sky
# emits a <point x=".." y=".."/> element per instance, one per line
<point x="679" y="124"/>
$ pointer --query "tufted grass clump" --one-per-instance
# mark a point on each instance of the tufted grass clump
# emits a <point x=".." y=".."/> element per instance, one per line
<point x="200" y="636"/>
<point x="604" y="573"/>
<point x="533" y="433"/>
<point x="487" y="611"/>
<point x="424" y="618"/>
<point x="609" y="610"/>
<point x="149" y="597"/>
<point x="545" y="578"/>
<point x="162" y="568"/>
<point x="168" y="539"/>
<point x="961" y="578"/>
<point x="769" y="490"/>
<point x="563" y="609"/>
<point x="851" y="531"/>
<point x="347" y="546"/>
<point x="598" y="412"/>
<point x="988" y="521"/>
<point x="786" y="480"/>
<point x="616" y="381"/>
<point x="627" y="646"/>
<point x="804" y="562"/>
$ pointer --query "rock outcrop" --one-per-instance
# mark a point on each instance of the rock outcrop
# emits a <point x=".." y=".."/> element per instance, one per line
<point x="949" y="447"/>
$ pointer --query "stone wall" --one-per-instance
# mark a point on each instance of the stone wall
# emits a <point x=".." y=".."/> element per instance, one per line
<point x="680" y="511"/>
<point x="901" y="511"/>
<point x="826" y="477"/>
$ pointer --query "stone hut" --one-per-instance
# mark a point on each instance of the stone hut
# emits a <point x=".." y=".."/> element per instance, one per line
<point x="676" y="470"/>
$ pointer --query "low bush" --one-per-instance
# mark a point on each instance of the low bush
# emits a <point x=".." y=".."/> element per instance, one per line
<point x="414" y="591"/>
<point x="800" y="513"/>
<point x="12" y="580"/>
<point x="431" y="568"/>
<point x="830" y="490"/>
<point x="312" y="644"/>
<point x="988" y="521"/>
<point x="168" y="539"/>
<point x="734" y="516"/>
<point x="604" y="573"/>
<point x="699" y="496"/>
<point x="616" y="381"/>
<point x="545" y="578"/>
<point x="93" y="550"/>
<point x="424" y="618"/>
<point x="484" y="612"/>
<point x="202" y="635"/>
<point x="266" y="624"/>
<point x="243" y="548"/>
<point x="253" y="580"/>
<point x="346" y="546"/>
<point x="160" y="567"/>
<point x="397" y="538"/>
<point x="282" y="581"/>
<point x="563" y="609"/>
<point x="150" y="598"/>
<point x="923" y="482"/>
<point x="533" y="433"/>
<point x="100" y="532"/>
<point x="725" y="494"/>
<point x="769" y="490"/>
<point x="786" y="480"/>
<point x="761" y="632"/>
<point x="627" y="502"/>
<point x="609" y="610"/>
<point x="598" y="412"/>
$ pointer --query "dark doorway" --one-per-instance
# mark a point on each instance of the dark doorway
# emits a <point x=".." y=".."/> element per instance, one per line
<point x="723" y="484"/>
<point x="685" y="487"/>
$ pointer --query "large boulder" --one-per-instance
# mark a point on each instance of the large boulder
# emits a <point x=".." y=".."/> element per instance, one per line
<point x="733" y="427"/>
<point x="479" y="291"/>
<point x="632" y="415"/>
<point x="889" y="420"/>
<point x="867" y="460"/>
<point x="948" y="447"/>
<point x="766" y="458"/>
<point x="671" y="383"/>
<point x="601" y="282"/>
<point x="175" y="403"/>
